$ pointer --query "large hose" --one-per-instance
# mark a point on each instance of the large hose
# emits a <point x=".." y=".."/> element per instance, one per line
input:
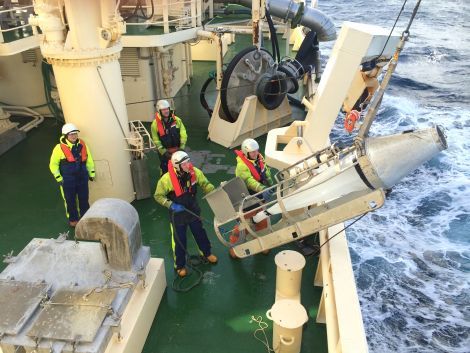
<point x="274" y="42"/>
<point x="310" y="17"/>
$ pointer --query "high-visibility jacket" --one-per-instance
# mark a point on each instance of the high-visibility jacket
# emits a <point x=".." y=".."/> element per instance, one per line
<point x="71" y="161"/>
<point x="169" y="134"/>
<point x="165" y="193"/>
<point x="255" y="173"/>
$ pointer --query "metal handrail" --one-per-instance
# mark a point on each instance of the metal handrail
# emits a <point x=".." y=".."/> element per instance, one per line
<point x="16" y="8"/>
<point x="14" y="28"/>
<point x="13" y="10"/>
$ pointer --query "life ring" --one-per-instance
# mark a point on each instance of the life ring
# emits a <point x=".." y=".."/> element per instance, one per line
<point x="350" y="120"/>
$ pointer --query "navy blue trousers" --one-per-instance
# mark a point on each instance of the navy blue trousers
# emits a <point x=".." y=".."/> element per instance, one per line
<point x="73" y="191"/>
<point x="163" y="165"/>
<point x="179" y="240"/>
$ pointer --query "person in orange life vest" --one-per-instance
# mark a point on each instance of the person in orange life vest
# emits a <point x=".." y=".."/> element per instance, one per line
<point x="168" y="133"/>
<point x="176" y="190"/>
<point x="72" y="166"/>
<point x="252" y="169"/>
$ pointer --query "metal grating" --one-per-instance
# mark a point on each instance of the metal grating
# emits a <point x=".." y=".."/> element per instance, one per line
<point x="129" y="62"/>
<point x="29" y="56"/>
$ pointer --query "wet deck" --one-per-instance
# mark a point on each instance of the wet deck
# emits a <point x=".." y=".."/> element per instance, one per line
<point x="214" y="316"/>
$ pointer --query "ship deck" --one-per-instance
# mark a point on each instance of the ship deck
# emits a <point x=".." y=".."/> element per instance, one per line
<point x="214" y="316"/>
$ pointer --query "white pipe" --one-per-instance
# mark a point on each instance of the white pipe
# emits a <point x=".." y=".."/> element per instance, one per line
<point x="307" y="103"/>
<point x="312" y="18"/>
<point x="219" y="58"/>
<point x="91" y="93"/>
<point x="37" y="118"/>
<point x="164" y="49"/>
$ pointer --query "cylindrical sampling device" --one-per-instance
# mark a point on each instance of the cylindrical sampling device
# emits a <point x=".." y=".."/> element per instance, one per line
<point x="288" y="318"/>
<point x="385" y="161"/>
<point x="289" y="274"/>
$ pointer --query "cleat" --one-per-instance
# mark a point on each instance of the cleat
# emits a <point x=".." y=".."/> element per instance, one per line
<point x="212" y="259"/>
<point x="181" y="272"/>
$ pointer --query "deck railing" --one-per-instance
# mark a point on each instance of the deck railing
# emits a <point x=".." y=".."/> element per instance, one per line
<point x="181" y="14"/>
<point x="15" y="19"/>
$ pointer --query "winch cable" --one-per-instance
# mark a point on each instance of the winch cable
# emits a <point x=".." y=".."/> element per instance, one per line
<point x="377" y="98"/>
<point x="393" y="27"/>
<point x="317" y="248"/>
<point x="192" y="261"/>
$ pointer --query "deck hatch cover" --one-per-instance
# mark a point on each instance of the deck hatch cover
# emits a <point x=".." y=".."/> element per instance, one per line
<point x="74" y="316"/>
<point x="18" y="301"/>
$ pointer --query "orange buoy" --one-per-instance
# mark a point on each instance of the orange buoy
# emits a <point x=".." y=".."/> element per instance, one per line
<point x="350" y="120"/>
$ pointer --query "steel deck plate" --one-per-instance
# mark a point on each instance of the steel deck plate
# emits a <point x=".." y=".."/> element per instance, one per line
<point x="18" y="301"/>
<point x="73" y="316"/>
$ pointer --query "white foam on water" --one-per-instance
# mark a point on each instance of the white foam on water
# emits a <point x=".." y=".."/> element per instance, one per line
<point x="412" y="270"/>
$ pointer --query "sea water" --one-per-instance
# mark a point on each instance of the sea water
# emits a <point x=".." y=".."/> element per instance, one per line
<point x="411" y="258"/>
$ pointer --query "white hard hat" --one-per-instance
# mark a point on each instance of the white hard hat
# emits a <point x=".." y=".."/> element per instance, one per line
<point x="179" y="157"/>
<point x="249" y="145"/>
<point x="68" y="128"/>
<point x="163" y="104"/>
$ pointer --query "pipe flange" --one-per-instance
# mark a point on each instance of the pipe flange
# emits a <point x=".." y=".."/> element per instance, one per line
<point x="298" y="16"/>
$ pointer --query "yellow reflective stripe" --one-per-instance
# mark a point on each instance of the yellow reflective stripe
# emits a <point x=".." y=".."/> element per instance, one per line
<point x="77" y="204"/>
<point x="173" y="244"/>
<point x="65" y="203"/>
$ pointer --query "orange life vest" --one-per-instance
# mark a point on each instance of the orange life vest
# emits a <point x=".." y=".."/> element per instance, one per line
<point x="250" y="165"/>
<point x="68" y="152"/>
<point x="175" y="181"/>
<point x="161" y="129"/>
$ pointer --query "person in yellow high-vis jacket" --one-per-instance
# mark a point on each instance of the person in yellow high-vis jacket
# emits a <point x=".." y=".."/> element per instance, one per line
<point x="72" y="166"/>
<point x="252" y="169"/>
<point x="168" y="133"/>
<point x="176" y="190"/>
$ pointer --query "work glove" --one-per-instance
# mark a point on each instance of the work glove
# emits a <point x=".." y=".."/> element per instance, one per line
<point x="176" y="207"/>
<point x="266" y="195"/>
<point x="91" y="178"/>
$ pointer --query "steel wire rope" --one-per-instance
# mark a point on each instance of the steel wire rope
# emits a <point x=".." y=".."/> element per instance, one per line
<point x="393" y="27"/>
<point x="317" y="248"/>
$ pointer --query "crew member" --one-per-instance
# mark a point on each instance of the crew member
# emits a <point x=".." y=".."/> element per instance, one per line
<point x="168" y="133"/>
<point x="72" y="166"/>
<point x="177" y="190"/>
